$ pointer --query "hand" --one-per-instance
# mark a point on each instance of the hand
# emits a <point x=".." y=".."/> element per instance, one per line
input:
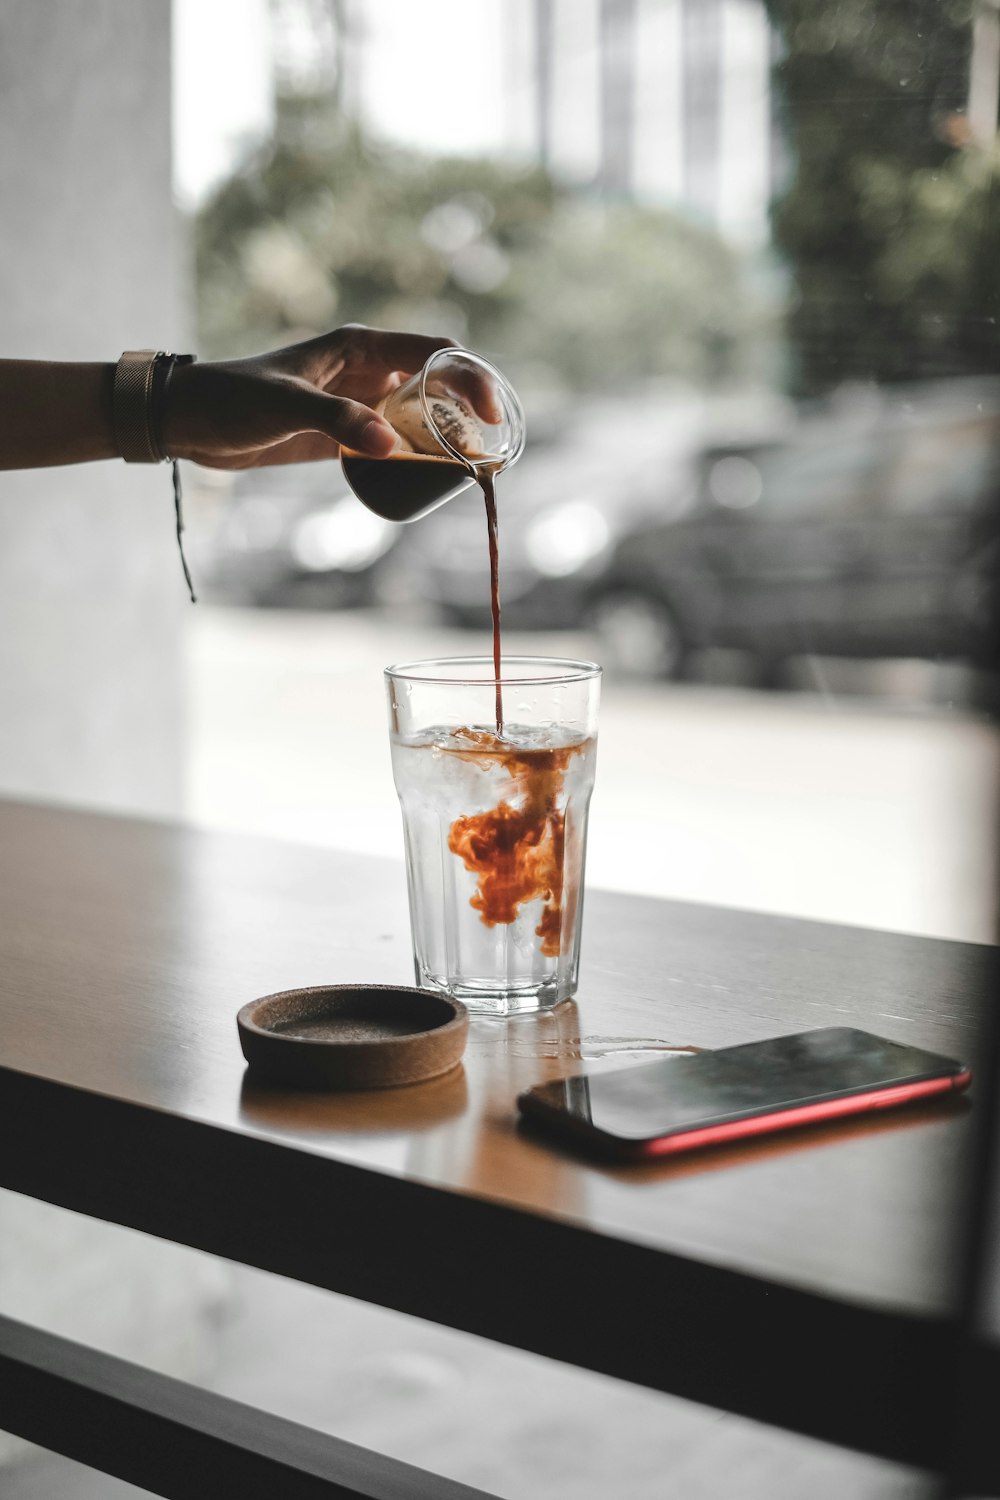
<point x="298" y="403"/>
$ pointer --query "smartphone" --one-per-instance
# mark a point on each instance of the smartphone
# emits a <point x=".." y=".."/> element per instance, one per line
<point x="684" y="1103"/>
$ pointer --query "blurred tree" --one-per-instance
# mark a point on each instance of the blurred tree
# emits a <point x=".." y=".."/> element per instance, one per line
<point x="321" y="226"/>
<point x="890" y="222"/>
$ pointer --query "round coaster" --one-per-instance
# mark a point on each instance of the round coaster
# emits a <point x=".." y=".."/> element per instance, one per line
<point x="352" y="1036"/>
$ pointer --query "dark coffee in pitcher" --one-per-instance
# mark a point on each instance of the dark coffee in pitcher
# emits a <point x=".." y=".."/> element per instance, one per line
<point x="404" y="486"/>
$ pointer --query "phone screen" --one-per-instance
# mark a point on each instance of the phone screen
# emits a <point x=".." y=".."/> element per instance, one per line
<point x="785" y="1074"/>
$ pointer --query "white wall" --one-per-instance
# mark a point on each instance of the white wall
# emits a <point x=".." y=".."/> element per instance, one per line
<point x="90" y="588"/>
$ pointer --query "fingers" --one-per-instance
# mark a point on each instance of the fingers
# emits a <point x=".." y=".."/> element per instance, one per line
<point x="348" y="422"/>
<point x="408" y="352"/>
<point x="478" y="388"/>
<point x="356" y="346"/>
<point x="367" y="359"/>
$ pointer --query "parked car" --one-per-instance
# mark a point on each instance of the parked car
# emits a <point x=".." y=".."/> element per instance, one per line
<point x="295" y="535"/>
<point x="590" y="473"/>
<point x="872" y="530"/>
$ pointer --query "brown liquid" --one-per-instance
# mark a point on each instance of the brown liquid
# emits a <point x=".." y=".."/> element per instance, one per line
<point x="403" y="486"/>
<point x="518" y="852"/>
<point x="406" y="486"/>
<point x="486" y="479"/>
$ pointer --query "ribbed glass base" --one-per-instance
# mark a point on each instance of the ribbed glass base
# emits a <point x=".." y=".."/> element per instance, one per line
<point x="485" y="998"/>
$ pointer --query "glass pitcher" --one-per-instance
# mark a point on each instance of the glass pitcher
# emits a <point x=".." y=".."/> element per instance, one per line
<point x="455" y="418"/>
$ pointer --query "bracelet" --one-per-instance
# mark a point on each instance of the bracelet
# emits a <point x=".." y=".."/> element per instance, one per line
<point x="138" y="403"/>
<point x="138" y="400"/>
<point x="163" y="370"/>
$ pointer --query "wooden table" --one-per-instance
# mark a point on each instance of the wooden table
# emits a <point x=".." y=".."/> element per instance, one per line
<point x="807" y="1282"/>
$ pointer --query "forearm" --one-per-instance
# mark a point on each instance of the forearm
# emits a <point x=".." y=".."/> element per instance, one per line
<point x="54" y="413"/>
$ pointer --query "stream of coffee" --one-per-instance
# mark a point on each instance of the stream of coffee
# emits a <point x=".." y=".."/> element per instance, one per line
<point x="486" y="479"/>
<point x="406" y="485"/>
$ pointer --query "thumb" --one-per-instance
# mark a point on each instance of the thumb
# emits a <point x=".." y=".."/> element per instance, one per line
<point x="348" y="422"/>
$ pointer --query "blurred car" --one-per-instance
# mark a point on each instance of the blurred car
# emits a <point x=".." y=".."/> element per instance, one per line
<point x="295" y="535"/>
<point x="590" y="473"/>
<point x="872" y="530"/>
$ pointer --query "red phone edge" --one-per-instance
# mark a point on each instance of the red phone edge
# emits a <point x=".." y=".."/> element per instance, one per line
<point x="804" y="1114"/>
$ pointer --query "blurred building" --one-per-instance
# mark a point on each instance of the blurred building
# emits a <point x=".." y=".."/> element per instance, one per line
<point x="664" y="101"/>
<point x="667" y="101"/>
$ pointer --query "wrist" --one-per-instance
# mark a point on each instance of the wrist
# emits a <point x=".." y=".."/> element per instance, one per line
<point x="171" y="369"/>
<point x="177" y="406"/>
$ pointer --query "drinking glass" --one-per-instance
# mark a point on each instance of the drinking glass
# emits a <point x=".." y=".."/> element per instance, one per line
<point x="495" y="826"/>
<point x="444" y="439"/>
